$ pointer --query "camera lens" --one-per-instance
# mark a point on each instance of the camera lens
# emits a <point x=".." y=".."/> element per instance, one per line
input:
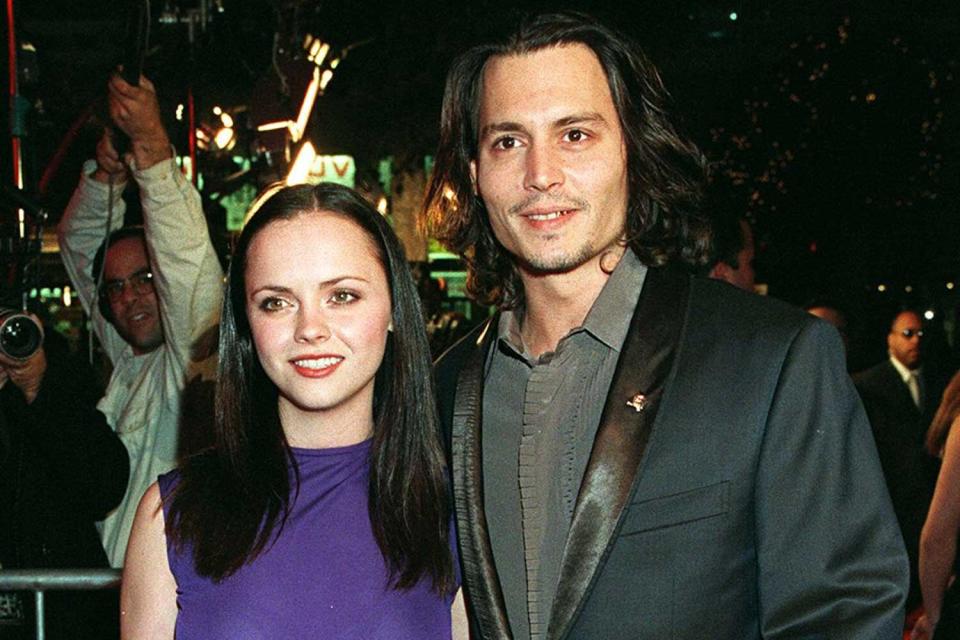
<point x="20" y="337"/>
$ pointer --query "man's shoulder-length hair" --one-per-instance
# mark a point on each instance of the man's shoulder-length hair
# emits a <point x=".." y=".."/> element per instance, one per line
<point x="666" y="170"/>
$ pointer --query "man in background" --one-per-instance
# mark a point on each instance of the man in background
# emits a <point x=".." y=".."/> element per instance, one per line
<point x="734" y="251"/>
<point x="900" y="398"/>
<point x="153" y="292"/>
<point x="61" y="469"/>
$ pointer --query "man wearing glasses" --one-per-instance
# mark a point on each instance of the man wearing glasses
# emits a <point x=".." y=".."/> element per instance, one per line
<point x="159" y="291"/>
<point x="901" y="398"/>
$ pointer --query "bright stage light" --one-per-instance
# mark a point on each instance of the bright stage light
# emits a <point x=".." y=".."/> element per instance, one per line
<point x="302" y="164"/>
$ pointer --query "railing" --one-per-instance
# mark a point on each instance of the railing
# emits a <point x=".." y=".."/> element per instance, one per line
<point x="41" y="580"/>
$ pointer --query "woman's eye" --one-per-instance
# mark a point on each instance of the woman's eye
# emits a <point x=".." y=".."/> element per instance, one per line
<point x="343" y="297"/>
<point x="273" y="304"/>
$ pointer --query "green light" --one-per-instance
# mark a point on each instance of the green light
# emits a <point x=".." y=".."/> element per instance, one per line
<point x="433" y="256"/>
<point x="236" y="205"/>
<point x="385" y="173"/>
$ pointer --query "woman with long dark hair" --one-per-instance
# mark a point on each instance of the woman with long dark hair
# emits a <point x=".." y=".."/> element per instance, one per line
<point x="322" y="511"/>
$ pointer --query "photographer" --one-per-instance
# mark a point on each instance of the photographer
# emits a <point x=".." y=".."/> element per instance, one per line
<point x="156" y="308"/>
<point x="61" y="469"/>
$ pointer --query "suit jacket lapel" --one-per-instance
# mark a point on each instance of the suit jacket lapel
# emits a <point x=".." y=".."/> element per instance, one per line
<point x="476" y="555"/>
<point x="900" y="389"/>
<point x="644" y="364"/>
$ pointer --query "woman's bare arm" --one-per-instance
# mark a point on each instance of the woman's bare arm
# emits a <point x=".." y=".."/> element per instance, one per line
<point x="938" y="542"/>
<point x="148" y="596"/>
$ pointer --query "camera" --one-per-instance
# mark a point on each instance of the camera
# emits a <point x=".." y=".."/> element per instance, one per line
<point x="20" y="335"/>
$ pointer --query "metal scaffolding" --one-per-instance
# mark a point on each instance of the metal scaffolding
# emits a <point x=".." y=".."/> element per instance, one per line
<point x="42" y="580"/>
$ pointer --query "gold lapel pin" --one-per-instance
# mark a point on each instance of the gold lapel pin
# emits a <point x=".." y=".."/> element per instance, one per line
<point x="638" y="402"/>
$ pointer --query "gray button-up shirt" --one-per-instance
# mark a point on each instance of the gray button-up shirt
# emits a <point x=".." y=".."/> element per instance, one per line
<point x="540" y="416"/>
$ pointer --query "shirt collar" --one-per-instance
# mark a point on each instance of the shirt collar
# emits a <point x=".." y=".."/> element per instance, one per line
<point x="905" y="373"/>
<point x="609" y="317"/>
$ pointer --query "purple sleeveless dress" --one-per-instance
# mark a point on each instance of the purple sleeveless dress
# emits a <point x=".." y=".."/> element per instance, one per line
<point x="323" y="578"/>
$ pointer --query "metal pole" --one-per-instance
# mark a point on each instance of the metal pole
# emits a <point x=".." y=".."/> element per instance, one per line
<point x="58" y="579"/>
<point x="17" y="113"/>
<point x="38" y="599"/>
<point x="192" y="135"/>
<point x="14" y="94"/>
<point x="40" y="580"/>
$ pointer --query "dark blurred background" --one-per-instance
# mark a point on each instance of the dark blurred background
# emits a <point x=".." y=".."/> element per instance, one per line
<point x="833" y="126"/>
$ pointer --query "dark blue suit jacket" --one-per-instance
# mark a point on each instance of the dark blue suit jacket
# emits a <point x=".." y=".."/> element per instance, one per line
<point x="744" y="501"/>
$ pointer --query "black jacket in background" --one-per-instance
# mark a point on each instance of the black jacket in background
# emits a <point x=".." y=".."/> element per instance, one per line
<point x="899" y="429"/>
<point x="61" y="469"/>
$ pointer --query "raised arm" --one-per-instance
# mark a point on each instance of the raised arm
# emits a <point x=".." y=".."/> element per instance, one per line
<point x="187" y="273"/>
<point x="93" y="212"/>
<point x="148" y="595"/>
<point x="938" y="542"/>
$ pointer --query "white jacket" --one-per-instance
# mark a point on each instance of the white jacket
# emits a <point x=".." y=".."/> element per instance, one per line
<point x="143" y="399"/>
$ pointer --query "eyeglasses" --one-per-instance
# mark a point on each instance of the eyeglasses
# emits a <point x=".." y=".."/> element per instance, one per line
<point x="909" y="333"/>
<point x="141" y="282"/>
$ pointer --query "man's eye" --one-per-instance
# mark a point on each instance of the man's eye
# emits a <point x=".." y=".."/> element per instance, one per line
<point x="114" y="287"/>
<point x="576" y="135"/>
<point x="343" y="296"/>
<point x="506" y="142"/>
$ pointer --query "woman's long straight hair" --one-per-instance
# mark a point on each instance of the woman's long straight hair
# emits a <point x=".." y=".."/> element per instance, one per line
<point x="946" y="414"/>
<point x="232" y="501"/>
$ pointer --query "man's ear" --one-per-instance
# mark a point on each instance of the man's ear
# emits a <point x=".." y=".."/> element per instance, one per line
<point x="473" y="177"/>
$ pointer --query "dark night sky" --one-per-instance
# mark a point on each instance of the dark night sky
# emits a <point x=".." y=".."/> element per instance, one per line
<point x="836" y="129"/>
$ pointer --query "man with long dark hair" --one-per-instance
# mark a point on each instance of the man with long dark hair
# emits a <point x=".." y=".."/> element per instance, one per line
<point x="635" y="453"/>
